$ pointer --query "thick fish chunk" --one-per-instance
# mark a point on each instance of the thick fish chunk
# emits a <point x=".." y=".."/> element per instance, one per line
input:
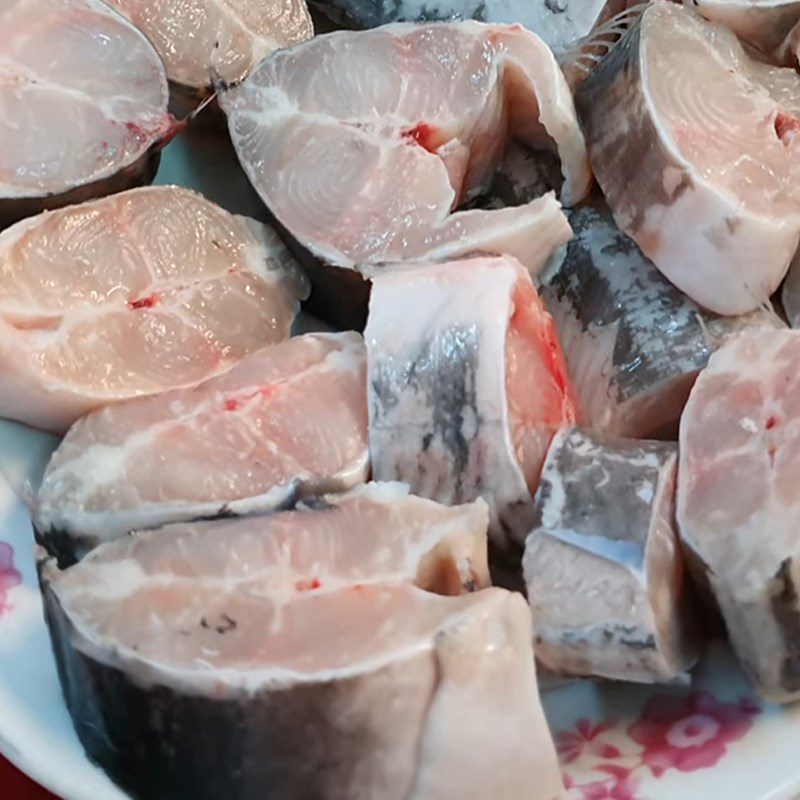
<point x="703" y="175"/>
<point x="292" y="657"/>
<point x="633" y="342"/>
<point x="603" y="565"/>
<point x="324" y="129"/>
<point x="464" y="402"/>
<point x="131" y="295"/>
<point x="287" y="419"/>
<point x="559" y="23"/>
<point x="738" y="501"/>
<point x="83" y="105"/>
<point x="763" y="23"/>
<point x="203" y="40"/>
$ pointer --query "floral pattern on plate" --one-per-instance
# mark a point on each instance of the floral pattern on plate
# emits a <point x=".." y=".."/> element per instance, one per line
<point x="9" y="576"/>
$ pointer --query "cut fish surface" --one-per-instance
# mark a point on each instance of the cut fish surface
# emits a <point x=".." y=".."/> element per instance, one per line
<point x="464" y="402"/>
<point x="131" y="295"/>
<point x="738" y="504"/>
<point x="200" y="40"/>
<point x="287" y="419"/>
<point x="702" y="174"/>
<point x="292" y="656"/>
<point x="633" y="342"/>
<point x="559" y="23"/>
<point x="83" y="105"/>
<point x="603" y="565"/>
<point x="324" y="129"/>
<point x="763" y="23"/>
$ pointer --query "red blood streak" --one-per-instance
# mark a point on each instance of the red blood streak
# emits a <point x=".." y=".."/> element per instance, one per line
<point x="144" y="302"/>
<point x="771" y="423"/>
<point x="423" y="134"/>
<point x="786" y="126"/>
<point x="307" y="585"/>
<point x="231" y="405"/>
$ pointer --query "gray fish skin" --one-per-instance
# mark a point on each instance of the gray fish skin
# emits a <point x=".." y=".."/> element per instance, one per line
<point x="603" y="567"/>
<point x="559" y="22"/>
<point x="634" y="343"/>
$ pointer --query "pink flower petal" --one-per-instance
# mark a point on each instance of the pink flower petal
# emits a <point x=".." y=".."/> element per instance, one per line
<point x="606" y="751"/>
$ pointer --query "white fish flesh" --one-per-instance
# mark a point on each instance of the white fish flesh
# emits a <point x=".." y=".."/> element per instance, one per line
<point x="287" y="419"/>
<point x="702" y="174"/>
<point x="764" y="24"/>
<point x="83" y="105"/>
<point x="131" y="295"/>
<point x="205" y="40"/>
<point x="633" y="342"/>
<point x="559" y="23"/>
<point x="324" y="144"/>
<point x="603" y="565"/>
<point x="464" y="402"/>
<point x="738" y="503"/>
<point x="292" y="657"/>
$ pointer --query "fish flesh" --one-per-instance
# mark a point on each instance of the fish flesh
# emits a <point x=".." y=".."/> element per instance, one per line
<point x="738" y="503"/>
<point x="323" y="145"/>
<point x="298" y="656"/>
<point x="703" y="175"/>
<point x="134" y="294"/>
<point x="765" y="24"/>
<point x="559" y="23"/>
<point x="464" y="402"/>
<point x="633" y="342"/>
<point x="83" y="105"/>
<point x="201" y="41"/>
<point x="288" y="419"/>
<point x="603" y="564"/>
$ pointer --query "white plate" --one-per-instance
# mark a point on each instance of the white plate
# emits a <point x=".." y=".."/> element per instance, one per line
<point x="617" y="742"/>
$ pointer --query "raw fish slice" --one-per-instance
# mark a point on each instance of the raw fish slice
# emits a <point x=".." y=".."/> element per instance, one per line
<point x="325" y="128"/>
<point x="703" y="175"/>
<point x="289" y="418"/>
<point x="83" y="105"/>
<point x="603" y="565"/>
<point x="559" y="23"/>
<point x="738" y="502"/>
<point x="132" y="295"/>
<point x="633" y="342"/>
<point x="200" y="39"/>
<point x="290" y="656"/>
<point x="464" y="402"/>
<point x="762" y="23"/>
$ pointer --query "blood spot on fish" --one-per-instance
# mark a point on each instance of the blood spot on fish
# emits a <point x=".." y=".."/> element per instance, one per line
<point x="786" y="127"/>
<point x="9" y="575"/>
<point x="422" y="134"/>
<point x="231" y="404"/>
<point x="307" y="585"/>
<point x="144" y="302"/>
<point x="771" y="423"/>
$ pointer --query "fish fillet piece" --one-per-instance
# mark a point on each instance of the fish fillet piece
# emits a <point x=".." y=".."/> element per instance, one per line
<point x="293" y="656"/>
<point x="603" y="565"/>
<point x="324" y="129"/>
<point x="287" y="419"/>
<point x="559" y="23"/>
<point x="83" y="105"/>
<point x="702" y="174"/>
<point x="762" y="23"/>
<point x="738" y="503"/>
<point x="464" y="402"/>
<point x="633" y="342"/>
<point x="131" y="295"/>
<point x="202" y="39"/>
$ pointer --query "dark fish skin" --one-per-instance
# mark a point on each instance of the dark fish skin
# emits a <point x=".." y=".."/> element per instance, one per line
<point x="786" y="608"/>
<point x="65" y="547"/>
<point x="160" y="744"/>
<point x="139" y="173"/>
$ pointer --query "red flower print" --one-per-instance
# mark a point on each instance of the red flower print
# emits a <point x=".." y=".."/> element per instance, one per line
<point x="607" y="790"/>
<point x="689" y="733"/>
<point x="9" y="576"/>
<point x="573" y="744"/>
